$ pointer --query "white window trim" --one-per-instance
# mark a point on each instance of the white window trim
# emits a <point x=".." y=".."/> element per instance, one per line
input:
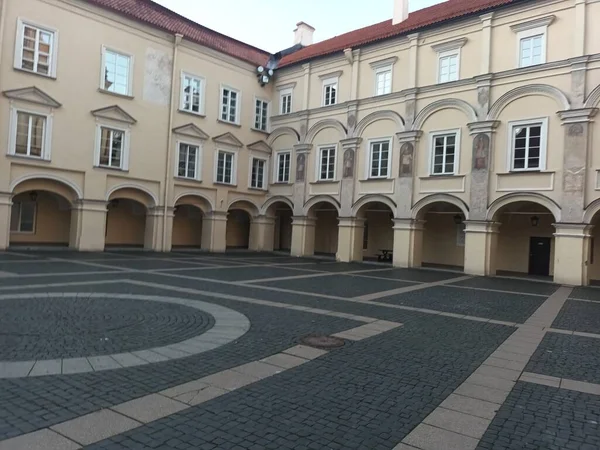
<point x="265" y="182"/>
<point x="34" y="220"/>
<point x="199" y="153"/>
<point x="19" y="47"/>
<point x="369" y="158"/>
<point x="333" y="81"/>
<point x="283" y="93"/>
<point x="382" y="69"/>
<point x="124" y="153"/>
<point x="432" y="136"/>
<point x="238" y="107"/>
<point x="233" y="166"/>
<point x="276" y="167"/>
<point x="12" y="135"/>
<point x="456" y="52"/>
<point x="543" y="143"/>
<point x="318" y="163"/>
<point x="202" y="111"/>
<point x="106" y="48"/>
<point x="268" y="102"/>
<point x="528" y="33"/>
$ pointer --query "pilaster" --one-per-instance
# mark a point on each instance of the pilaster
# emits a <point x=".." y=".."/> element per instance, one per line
<point x="413" y="54"/>
<point x="262" y="231"/>
<point x="168" y="228"/>
<point x="481" y="242"/>
<point x="482" y="151"/>
<point x="403" y="192"/>
<point x="486" y="42"/>
<point x="306" y="93"/>
<point x="348" y="183"/>
<point x="153" y="232"/>
<point x="578" y="81"/>
<point x="5" y="210"/>
<point x="88" y="225"/>
<point x="408" y="242"/>
<point x="214" y="231"/>
<point x="572" y="247"/>
<point x="302" y="153"/>
<point x="350" y="239"/>
<point x="303" y="236"/>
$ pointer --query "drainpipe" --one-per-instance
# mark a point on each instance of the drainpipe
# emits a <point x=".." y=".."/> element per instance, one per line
<point x="177" y="41"/>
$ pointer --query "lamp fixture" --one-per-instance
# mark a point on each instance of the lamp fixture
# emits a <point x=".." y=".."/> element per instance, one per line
<point x="535" y="221"/>
<point x="33" y="195"/>
<point x="458" y="219"/>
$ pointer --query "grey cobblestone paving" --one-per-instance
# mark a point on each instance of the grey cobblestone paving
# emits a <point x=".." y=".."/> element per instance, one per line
<point x="494" y="305"/>
<point x="151" y="264"/>
<point x="49" y="328"/>
<point x="536" y="417"/>
<point x="510" y="284"/>
<point x="586" y="293"/>
<point x="564" y="356"/>
<point x="41" y="267"/>
<point x="245" y="273"/>
<point x="424" y="276"/>
<point x="579" y="316"/>
<point x="365" y="396"/>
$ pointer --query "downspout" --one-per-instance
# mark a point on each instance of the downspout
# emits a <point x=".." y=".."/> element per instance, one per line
<point x="178" y="38"/>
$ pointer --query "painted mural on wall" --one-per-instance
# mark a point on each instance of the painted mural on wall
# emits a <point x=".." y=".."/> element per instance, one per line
<point x="406" y="159"/>
<point x="349" y="163"/>
<point x="157" y="77"/>
<point x="481" y="151"/>
<point x="300" y="166"/>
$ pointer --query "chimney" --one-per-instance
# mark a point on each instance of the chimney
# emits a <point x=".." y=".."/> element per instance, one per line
<point x="303" y="34"/>
<point x="400" y="11"/>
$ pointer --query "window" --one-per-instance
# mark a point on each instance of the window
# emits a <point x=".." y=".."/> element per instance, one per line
<point x="327" y="165"/>
<point x="187" y="162"/>
<point x="261" y="115"/>
<point x="531" y="50"/>
<point x="444" y="152"/>
<point x="531" y="40"/>
<point x="285" y="101"/>
<point x="330" y="87"/>
<point x="229" y="105"/>
<point x="379" y="159"/>
<point x="36" y="49"/>
<point x="383" y="80"/>
<point x="225" y="172"/>
<point x="22" y="217"/>
<point x="257" y="175"/>
<point x="111" y="147"/>
<point x="448" y="66"/>
<point x="528" y="141"/>
<point x="282" y="168"/>
<point x="116" y="75"/>
<point x="192" y="94"/>
<point x="30" y="135"/>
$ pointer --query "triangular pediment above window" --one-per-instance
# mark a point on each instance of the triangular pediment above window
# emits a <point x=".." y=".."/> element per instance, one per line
<point x="114" y="113"/>
<point x="32" y="95"/>
<point x="260" y="146"/>
<point x="191" y="130"/>
<point x="228" y="139"/>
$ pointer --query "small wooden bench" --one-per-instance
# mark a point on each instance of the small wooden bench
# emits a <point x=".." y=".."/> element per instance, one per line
<point x="385" y="255"/>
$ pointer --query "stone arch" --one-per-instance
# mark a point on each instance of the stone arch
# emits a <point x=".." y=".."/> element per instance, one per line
<point x="439" y="198"/>
<point x="524" y="91"/>
<point x="532" y="197"/>
<point x="200" y="197"/>
<point x="273" y="200"/>
<point x="379" y="115"/>
<point x="280" y="132"/>
<point x="321" y="199"/>
<point x="592" y="209"/>
<point x="593" y="100"/>
<point x="132" y="191"/>
<point x="245" y="205"/>
<point x="323" y="124"/>
<point x="65" y="187"/>
<point x="373" y="198"/>
<point x="447" y="103"/>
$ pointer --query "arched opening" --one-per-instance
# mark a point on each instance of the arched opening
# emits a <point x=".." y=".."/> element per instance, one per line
<point x="443" y="235"/>
<point x="238" y="229"/>
<point x="282" y="228"/>
<point x="188" y="218"/>
<point x="526" y="239"/>
<point x="125" y="223"/>
<point x="378" y="235"/>
<point x="326" y="228"/>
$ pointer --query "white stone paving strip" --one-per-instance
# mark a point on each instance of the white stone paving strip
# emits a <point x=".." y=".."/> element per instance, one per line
<point x="51" y="285"/>
<point x="103" y="424"/>
<point x="405" y="289"/>
<point x="563" y="383"/>
<point x="461" y="420"/>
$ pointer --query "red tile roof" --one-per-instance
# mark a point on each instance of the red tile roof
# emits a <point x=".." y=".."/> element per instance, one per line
<point x="160" y="17"/>
<point x="451" y="9"/>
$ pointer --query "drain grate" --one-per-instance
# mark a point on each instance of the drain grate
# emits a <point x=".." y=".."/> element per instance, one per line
<point x="324" y="342"/>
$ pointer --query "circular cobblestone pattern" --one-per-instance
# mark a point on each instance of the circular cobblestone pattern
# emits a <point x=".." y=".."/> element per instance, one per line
<point x="48" y="328"/>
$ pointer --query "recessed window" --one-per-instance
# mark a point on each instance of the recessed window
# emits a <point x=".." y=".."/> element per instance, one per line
<point x="285" y="101"/>
<point x="528" y="145"/>
<point x="192" y="94"/>
<point x="531" y="50"/>
<point x="282" y="168"/>
<point x="187" y="163"/>
<point x="330" y="88"/>
<point x="30" y="135"/>
<point x="383" y="80"/>
<point x="230" y="105"/>
<point x="112" y="146"/>
<point x="22" y="217"/>
<point x="225" y="167"/>
<point x="531" y="40"/>
<point x="116" y="75"/>
<point x="257" y="174"/>
<point x="448" y="66"/>
<point x="379" y="159"/>
<point x="444" y="153"/>
<point x="36" y="49"/>
<point x="261" y="115"/>
<point x="327" y="164"/>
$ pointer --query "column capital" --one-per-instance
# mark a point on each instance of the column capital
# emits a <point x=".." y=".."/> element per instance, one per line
<point x="90" y="205"/>
<point x="577" y="115"/>
<point x="304" y="221"/>
<point x="351" y="222"/>
<point x="575" y="230"/>
<point x="408" y="224"/>
<point x="156" y="211"/>
<point x="263" y="219"/>
<point x="303" y="148"/>
<point x="216" y="215"/>
<point x="485" y="126"/>
<point x="6" y="198"/>
<point x="409" y="136"/>
<point x="481" y="226"/>
<point x="350" y="143"/>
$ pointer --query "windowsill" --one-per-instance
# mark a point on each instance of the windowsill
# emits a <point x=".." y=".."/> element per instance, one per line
<point x="259" y="131"/>
<point x="285" y="183"/>
<point x="191" y="180"/>
<point x="531" y="65"/>
<point x="112" y="169"/>
<point x="233" y="124"/>
<point x="116" y="94"/>
<point x="324" y="182"/>
<point x="31" y="72"/>
<point x="327" y="106"/>
<point x="28" y="158"/>
<point x="25" y="233"/>
<point x="220" y="183"/>
<point x="516" y="172"/>
<point x="192" y="113"/>
<point x="441" y="175"/>
<point x="375" y="179"/>
<point x="257" y="189"/>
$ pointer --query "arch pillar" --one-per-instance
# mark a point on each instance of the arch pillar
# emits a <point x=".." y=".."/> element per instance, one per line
<point x="303" y="236"/>
<point x="153" y="230"/>
<point x="403" y="192"/>
<point x="408" y="242"/>
<point x="5" y="210"/>
<point x="262" y="231"/>
<point x="214" y="232"/>
<point x="572" y="252"/>
<point x="348" y="184"/>
<point x="350" y="239"/>
<point x="483" y="140"/>
<point x="88" y="225"/>
<point x="481" y="242"/>
<point x="168" y="228"/>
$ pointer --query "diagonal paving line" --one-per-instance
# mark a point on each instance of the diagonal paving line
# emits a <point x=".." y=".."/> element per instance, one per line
<point x="496" y="290"/>
<point x="71" y="283"/>
<point x="563" y="383"/>
<point x="463" y="418"/>
<point x="290" y="277"/>
<point x="405" y="289"/>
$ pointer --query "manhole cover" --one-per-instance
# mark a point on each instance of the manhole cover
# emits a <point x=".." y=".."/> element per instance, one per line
<point x="323" y="341"/>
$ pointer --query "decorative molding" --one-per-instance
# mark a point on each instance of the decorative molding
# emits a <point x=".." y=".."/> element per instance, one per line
<point x="385" y="114"/>
<point x="191" y="130"/>
<point x="32" y="94"/>
<point x="455" y="44"/>
<point x="384" y="62"/>
<point x="535" y="23"/>
<point x="485" y="126"/>
<point x="260" y="146"/>
<point x="303" y="148"/>
<point x="409" y="136"/>
<point x="452" y="103"/>
<point x="114" y="112"/>
<point x="326" y="123"/>
<point x="282" y="131"/>
<point x="336" y="74"/>
<point x="577" y="115"/>
<point x="350" y="143"/>
<point x="228" y="139"/>
<point x="523" y="91"/>
<point x="422" y="204"/>
<point x="348" y="53"/>
<point x="593" y="99"/>
<point x="515" y="197"/>
<point x="281" y="87"/>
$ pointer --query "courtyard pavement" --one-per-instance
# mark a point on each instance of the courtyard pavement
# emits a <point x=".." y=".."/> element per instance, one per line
<point x="188" y="350"/>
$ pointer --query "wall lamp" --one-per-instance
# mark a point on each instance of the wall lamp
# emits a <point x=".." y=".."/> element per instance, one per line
<point x="535" y="221"/>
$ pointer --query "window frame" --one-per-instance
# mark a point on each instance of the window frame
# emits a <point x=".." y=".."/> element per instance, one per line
<point x="321" y="148"/>
<point x="19" y="231"/>
<point x="106" y="48"/>
<point x="255" y="117"/>
<point x="369" y="152"/>
<point x="238" y="107"/>
<point x="278" y="155"/>
<point x="198" y="163"/>
<point x="265" y="177"/>
<point x="382" y="70"/>
<point x="541" y="121"/>
<point x="53" y="55"/>
<point x="530" y="34"/>
<point x="46" y="141"/>
<point x="124" y="151"/>
<point x="284" y="93"/>
<point x="233" y="166"/>
<point x="330" y="82"/>
<point x="202" y="100"/>
<point x="448" y="54"/>
<point x="456" y="167"/>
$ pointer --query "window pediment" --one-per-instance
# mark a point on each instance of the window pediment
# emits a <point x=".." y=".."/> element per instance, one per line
<point x="191" y="130"/>
<point x="535" y="23"/>
<point x="450" y="45"/>
<point x="228" y="139"/>
<point x="260" y="146"/>
<point x="33" y="95"/>
<point x="114" y="112"/>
